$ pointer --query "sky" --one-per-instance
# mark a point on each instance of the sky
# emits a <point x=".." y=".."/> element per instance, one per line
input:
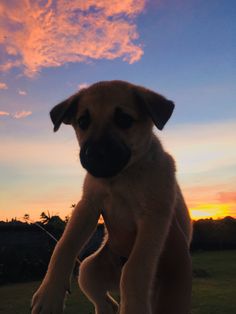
<point x="49" y="49"/>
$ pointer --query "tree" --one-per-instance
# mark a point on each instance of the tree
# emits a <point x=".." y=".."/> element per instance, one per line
<point x="67" y="218"/>
<point x="45" y="218"/>
<point x="26" y="217"/>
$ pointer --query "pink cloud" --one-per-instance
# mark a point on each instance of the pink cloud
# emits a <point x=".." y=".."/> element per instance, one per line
<point x="4" y="113"/>
<point x="36" y="34"/>
<point x="22" y="114"/>
<point x="3" y="85"/>
<point x="227" y="197"/>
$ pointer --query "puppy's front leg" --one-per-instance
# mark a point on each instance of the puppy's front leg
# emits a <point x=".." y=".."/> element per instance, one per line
<point x="139" y="271"/>
<point x="49" y="298"/>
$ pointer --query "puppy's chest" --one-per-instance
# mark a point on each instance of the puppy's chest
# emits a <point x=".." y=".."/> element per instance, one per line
<point x="124" y="206"/>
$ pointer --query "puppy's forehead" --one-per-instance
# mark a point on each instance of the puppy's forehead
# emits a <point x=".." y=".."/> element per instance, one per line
<point x="107" y="96"/>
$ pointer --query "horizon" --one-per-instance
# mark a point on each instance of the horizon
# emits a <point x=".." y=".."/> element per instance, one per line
<point x="182" y="49"/>
<point x="30" y="221"/>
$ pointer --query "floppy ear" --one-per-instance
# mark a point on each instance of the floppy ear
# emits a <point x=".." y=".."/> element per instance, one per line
<point x="156" y="106"/>
<point x="64" y="111"/>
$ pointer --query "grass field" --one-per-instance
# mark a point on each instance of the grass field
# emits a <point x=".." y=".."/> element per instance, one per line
<point x="214" y="288"/>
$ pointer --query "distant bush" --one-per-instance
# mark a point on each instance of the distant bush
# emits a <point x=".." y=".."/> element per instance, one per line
<point x="25" y="249"/>
<point x="209" y="234"/>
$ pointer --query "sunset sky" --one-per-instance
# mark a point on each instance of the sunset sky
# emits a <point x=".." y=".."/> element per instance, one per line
<point x="183" y="49"/>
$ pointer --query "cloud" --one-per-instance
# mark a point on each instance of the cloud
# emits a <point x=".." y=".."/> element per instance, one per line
<point x="41" y="34"/>
<point x="22" y="92"/>
<point x="83" y="85"/>
<point x="227" y="197"/>
<point x="17" y="115"/>
<point x="22" y="114"/>
<point x="4" y="113"/>
<point x="3" y="85"/>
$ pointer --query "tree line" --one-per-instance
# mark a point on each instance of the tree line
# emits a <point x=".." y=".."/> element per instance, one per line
<point x="26" y="247"/>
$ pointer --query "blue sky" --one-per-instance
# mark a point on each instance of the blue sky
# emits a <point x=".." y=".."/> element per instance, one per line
<point x="184" y="49"/>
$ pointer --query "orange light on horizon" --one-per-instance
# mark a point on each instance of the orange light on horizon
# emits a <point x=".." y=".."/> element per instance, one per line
<point x="211" y="210"/>
<point x="198" y="210"/>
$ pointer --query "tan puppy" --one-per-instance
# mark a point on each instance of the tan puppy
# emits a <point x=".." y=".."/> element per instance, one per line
<point x="131" y="182"/>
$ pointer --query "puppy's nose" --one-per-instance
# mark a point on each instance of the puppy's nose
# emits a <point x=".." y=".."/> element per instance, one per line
<point x="95" y="152"/>
<point x="104" y="158"/>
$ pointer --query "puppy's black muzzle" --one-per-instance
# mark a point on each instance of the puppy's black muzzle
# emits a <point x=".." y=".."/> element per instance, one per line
<point x="105" y="157"/>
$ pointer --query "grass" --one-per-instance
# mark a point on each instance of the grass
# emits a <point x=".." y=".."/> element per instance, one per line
<point x="216" y="292"/>
<point x="15" y="298"/>
<point x="213" y="290"/>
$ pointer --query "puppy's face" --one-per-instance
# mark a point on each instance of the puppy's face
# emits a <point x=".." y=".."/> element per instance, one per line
<point x="113" y="124"/>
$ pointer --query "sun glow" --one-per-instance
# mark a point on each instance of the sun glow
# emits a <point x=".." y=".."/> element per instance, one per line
<point x="214" y="211"/>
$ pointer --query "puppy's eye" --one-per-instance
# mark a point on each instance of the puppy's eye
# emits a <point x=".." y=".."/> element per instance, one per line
<point x="123" y="120"/>
<point x="84" y="121"/>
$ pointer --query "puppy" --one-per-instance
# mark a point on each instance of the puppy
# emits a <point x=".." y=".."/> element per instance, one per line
<point x="131" y="182"/>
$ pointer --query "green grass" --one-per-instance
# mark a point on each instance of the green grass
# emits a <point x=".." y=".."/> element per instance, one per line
<point x="214" y="293"/>
<point x="15" y="299"/>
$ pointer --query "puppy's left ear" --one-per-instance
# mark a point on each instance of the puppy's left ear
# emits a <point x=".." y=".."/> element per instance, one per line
<point x="64" y="111"/>
<point x="156" y="106"/>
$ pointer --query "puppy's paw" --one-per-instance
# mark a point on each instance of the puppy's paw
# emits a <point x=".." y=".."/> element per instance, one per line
<point x="48" y="299"/>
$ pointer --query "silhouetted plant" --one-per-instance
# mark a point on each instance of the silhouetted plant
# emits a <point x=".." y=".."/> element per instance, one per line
<point x="45" y="218"/>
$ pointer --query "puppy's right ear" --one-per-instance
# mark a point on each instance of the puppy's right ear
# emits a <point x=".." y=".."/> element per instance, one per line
<point x="64" y="111"/>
